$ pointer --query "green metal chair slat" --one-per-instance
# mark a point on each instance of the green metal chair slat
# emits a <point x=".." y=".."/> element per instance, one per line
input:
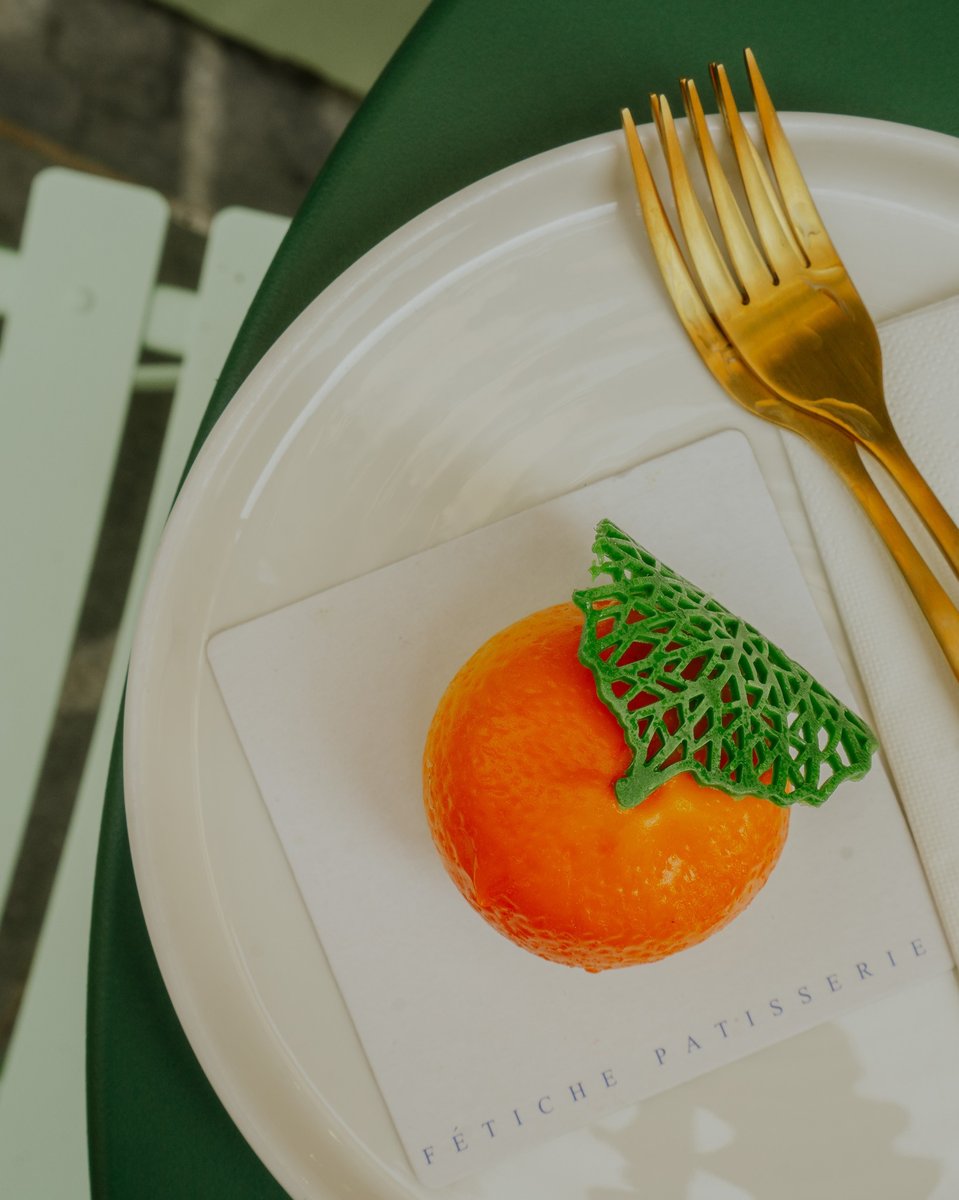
<point x="83" y="283"/>
<point x="42" y="1090"/>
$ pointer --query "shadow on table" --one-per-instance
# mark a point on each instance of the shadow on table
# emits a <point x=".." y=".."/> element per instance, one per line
<point x="826" y="1140"/>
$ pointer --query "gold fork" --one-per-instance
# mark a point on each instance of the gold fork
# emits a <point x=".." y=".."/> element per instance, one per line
<point x="748" y="389"/>
<point x="788" y="304"/>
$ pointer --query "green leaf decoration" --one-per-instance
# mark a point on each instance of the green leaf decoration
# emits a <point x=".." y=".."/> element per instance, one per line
<point x="697" y="689"/>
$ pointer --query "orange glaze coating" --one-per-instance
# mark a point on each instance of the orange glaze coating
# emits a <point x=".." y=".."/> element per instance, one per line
<point x="519" y="768"/>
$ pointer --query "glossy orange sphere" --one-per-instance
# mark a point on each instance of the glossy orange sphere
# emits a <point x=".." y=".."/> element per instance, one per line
<point x="519" y="768"/>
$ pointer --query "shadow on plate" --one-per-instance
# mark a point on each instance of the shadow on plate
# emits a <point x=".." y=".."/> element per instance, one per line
<point x="726" y="1134"/>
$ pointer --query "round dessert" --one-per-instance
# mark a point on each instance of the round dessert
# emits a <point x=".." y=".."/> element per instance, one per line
<point x="520" y="766"/>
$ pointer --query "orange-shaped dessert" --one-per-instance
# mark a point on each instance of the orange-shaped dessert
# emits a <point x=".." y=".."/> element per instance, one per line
<point x="607" y="790"/>
<point x="521" y="761"/>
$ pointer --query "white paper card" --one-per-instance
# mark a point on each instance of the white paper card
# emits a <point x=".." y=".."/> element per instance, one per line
<point x="480" y="1048"/>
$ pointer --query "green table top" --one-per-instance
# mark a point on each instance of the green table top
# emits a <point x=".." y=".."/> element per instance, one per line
<point x="478" y="85"/>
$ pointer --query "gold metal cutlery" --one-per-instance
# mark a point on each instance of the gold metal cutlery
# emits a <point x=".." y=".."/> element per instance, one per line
<point x="780" y="324"/>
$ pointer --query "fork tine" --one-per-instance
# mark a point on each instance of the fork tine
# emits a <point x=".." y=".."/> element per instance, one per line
<point x="749" y="264"/>
<point x="800" y="208"/>
<point x="679" y="283"/>
<point x="714" y="275"/>
<point x="775" y="233"/>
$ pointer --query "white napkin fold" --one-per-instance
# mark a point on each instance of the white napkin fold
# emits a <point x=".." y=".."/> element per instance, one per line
<point x="912" y="692"/>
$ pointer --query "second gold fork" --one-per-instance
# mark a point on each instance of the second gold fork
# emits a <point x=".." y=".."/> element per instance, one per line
<point x="745" y="387"/>
<point x="785" y="299"/>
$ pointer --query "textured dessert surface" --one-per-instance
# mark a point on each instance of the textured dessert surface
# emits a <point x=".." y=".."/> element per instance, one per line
<point x="520" y="767"/>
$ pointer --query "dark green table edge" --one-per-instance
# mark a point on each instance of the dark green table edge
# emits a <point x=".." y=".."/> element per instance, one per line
<point x="478" y="85"/>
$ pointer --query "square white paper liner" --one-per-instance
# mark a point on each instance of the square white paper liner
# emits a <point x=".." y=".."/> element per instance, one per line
<point x="479" y="1047"/>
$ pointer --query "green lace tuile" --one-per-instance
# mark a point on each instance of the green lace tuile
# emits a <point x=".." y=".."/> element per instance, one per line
<point x="697" y="689"/>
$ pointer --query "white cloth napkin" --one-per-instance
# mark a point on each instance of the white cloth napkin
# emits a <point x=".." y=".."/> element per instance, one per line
<point x="912" y="692"/>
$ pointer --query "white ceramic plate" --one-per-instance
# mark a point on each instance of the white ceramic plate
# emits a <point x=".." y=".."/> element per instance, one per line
<point x="509" y="345"/>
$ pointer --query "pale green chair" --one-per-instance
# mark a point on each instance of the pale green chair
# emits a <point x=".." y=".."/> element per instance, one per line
<point x="80" y="304"/>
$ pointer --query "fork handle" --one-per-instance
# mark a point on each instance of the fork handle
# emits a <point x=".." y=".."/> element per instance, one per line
<point x="940" y="612"/>
<point x="893" y="455"/>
